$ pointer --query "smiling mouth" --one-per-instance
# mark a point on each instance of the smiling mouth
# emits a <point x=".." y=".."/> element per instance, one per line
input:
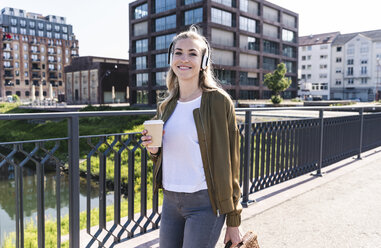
<point x="184" y="67"/>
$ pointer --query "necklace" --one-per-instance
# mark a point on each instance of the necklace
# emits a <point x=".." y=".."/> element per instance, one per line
<point x="191" y="96"/>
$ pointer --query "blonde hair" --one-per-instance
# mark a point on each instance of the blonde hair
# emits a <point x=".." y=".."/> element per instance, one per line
<point x="207" y="81"/>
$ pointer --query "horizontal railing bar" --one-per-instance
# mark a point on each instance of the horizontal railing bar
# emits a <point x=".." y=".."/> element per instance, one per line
<point x="77" y="114"/>
<point x="152" y="112"/>
<point x="32" y="141"/>
<point x="106" y="135"/>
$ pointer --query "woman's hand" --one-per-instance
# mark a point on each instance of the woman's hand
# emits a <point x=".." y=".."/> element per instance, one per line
<point x="233" y="234"/>
<point x="147" y="139"/>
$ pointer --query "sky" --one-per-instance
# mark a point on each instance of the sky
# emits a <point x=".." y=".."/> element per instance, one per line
<point x="101" y="26"/>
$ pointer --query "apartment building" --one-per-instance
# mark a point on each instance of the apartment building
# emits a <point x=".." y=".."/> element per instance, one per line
<point x="248" y="39"/>
<point x="34" y="51"/>
<point x="356" y="67"/>
<point x="315" y="65"/>
<point x="96" y="80"/>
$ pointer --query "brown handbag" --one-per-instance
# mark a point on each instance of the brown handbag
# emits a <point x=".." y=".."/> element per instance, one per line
<point x="249" y="240"/>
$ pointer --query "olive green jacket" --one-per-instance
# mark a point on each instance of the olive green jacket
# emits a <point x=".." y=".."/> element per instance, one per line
<point x="218" y="137"/>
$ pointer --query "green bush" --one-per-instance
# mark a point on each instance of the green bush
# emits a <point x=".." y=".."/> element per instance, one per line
<point x="276" y="99"/>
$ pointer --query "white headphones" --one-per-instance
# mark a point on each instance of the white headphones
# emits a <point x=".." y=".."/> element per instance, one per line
<point x="205" y="57"/>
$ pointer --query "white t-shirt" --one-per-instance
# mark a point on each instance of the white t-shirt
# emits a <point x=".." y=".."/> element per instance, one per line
<point x="183" y="170"/>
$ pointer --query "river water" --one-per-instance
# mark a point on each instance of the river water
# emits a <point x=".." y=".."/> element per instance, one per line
<point x="8" y="200"/>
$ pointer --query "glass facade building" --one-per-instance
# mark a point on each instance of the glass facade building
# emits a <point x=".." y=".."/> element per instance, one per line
<point x="249" y="38"/>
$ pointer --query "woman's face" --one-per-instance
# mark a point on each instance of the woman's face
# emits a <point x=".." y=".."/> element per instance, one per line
<point x="186" y="60"/>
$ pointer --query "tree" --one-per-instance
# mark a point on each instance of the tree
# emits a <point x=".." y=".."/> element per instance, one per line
<point x="16" y="98"/>
<point x="277" y="82"/>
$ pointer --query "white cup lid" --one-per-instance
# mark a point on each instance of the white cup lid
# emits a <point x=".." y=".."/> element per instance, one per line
<point x="153" y="122"/>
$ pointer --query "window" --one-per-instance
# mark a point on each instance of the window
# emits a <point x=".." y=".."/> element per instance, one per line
<point x="364" y="61"/>
<point x="338" y="70"/>
<point x="309" y="57"/>
<point x="323" y="56"/>
<point x="14" y="21"/>
<point x="165" y="23"/>
<point x="350" y="61"/>
<point x="163" y="5"/>
<point x="142" y="97"/>
<point x="186" y="2"/>
<point x="270" y="47"/>
<point x="289" y="66"/>
<point x="141" y="62"/>
<point x="364" y="48"/>
<point x="140" y="28"/>
<point x="57" y="35"/>
<point x="26" y="74"/>
<point x="41" y="33"/>
<point x="26" y="65"/>
<point x="363" y="70"/>
<point x="14" y="30"/>
<point x="247" y="24"/>
<point x="303" y="58"/>
<point x="338" y="59"/>
<point x="160" y="78"/>
<point x="288" y="51"/>
<point x="17" y="81"/>
<point x="338" y="49"/>
<point x="57" y="28"/>
<point x="141" y="46"/>
<point x="323" y="75"/>
<point x="163" y="41"/>
<point x="350" y="71"/>
<point x="26" y="93"/>
<point x="224" y="2"/>
<point x="364" y="80"/>
<point x="350" y="81"/>
<point x="323" y="47"/>
<point x="308" y="76"/>
<point x="141" y="11"/>
<point x="64" y="29"/>
<point x="22" y="30"/>
<point x="40" y="25"/>
<point x="303" y="67"/>
<point x="49" y="34"/>
<point x="269" y="64"/>
<point x="17" y="65"/>
<point x="288" y="35"/>
<point x="161" y="60"/>
<point x="222" y="17"/>
<point x="193" y="16"/>
<point x="338" y="82"/>
<point x="26" y="82"/>
<point x="49" y="27"/>
<point x="323" y="66"/>
<point x="32" y="24"/>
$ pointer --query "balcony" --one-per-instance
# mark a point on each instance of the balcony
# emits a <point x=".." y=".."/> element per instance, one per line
<point x="35" y="51"/>
<point x="36" y="76"/>
<point x="9" y="84"/>
<point x="8" y="58"/>
<point x="8" y="67"/>
<point x="36" y="69"/>
<point x="52" y="69"/>
<point x="52" y="53"/>
<point x="7" y="49"/>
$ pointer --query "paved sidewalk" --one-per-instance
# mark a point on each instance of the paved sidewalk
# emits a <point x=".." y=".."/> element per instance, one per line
<point x="340" y="209"/>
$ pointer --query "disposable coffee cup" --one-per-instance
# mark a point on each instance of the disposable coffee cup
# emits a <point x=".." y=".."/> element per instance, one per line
<point x="155" y="130"/>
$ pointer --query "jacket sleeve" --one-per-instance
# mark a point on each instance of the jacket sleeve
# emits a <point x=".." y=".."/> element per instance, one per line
<point x="234" y="217"/>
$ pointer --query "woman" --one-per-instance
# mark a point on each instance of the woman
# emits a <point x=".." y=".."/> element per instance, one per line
<point x="198" y="164"/>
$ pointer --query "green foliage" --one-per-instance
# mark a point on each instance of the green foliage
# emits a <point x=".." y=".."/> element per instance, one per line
<point x="277" y="82"/>
<point x="276" y="99"/>
<point x="16" y="98"/>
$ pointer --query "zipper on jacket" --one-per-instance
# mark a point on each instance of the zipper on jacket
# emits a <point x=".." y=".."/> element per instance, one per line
<point x="210" y="170"/>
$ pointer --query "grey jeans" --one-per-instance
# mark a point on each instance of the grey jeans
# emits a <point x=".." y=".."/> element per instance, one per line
<point x="187" y="221"/>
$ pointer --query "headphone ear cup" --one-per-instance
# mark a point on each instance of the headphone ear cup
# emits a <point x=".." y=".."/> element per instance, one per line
<point x="204" y="63"/>
<point x="170" y="59"/>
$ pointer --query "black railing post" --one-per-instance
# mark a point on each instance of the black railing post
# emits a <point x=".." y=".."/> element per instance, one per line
<point x="73" y="131"/>
<point x="246" y="179"/>
<point x="321" y="117"/>
<point x="321" y="140"/>
<point x="361" y="131"/>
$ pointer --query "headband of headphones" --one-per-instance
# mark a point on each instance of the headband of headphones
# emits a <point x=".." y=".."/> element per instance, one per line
<point x="205" y="57"/>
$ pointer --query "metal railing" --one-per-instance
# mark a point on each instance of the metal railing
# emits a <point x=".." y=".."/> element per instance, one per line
<point x="271" y="152"/>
